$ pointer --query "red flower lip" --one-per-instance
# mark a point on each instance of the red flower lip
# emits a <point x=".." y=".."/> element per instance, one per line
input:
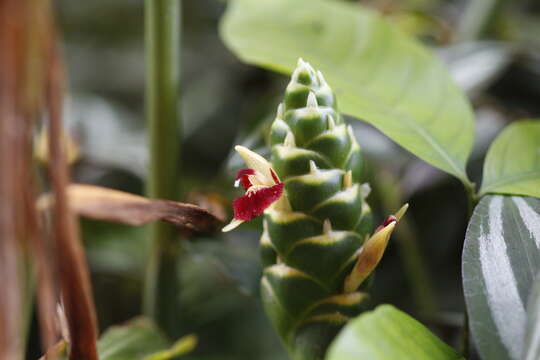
<point x="262" y="185"/>
<point x="253" y="203"/>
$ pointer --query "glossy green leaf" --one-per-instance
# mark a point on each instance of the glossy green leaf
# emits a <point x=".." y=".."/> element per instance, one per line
<point x="378" y="73"/>
<point x="513" y="161"/>
<point x="501" y="258"/>
<point x="140" y="339"/>
<point x="531" y="350"/>
<point x="388" y="334"/>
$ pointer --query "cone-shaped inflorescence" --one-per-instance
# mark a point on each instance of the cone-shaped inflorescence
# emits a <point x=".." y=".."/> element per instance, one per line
<point x="316" y="249"/>
<point x="309" y="250"/>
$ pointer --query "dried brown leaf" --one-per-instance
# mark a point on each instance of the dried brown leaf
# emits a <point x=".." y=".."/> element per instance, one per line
<point x="100" y="203"/>
<point x="75" y="283"/>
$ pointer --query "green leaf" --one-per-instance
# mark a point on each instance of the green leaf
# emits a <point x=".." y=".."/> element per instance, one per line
<point x="378" y="73"/>
<point x="531" y="351"/>
<point x="132" y="341"/>
<point x="140" y="339"/>
<point x="501" y="258"/>
<point x="513" y="161"/>
<point x="183" y="346"/>
<point x="388" y="334"/>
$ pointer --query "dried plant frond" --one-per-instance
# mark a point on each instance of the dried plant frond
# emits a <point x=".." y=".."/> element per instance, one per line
<point x="100" y="203"/>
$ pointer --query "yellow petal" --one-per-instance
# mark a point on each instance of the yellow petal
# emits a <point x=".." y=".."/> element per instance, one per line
<point x="399" y="214"/>
<point x="256" y="162"/>
<point x="369" y="257"/>
<point x="232" y="225"/>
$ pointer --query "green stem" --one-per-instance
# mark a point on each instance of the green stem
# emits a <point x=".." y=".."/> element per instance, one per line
<point x="472" y="197"/>
<point x="162" y="42"/>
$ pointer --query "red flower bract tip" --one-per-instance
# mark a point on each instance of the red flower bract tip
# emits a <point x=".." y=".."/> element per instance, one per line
<point x="254" y="202"/>
<point x="242" y="175"/>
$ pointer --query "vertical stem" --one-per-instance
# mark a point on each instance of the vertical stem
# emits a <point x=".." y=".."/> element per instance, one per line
<point x="472" y="197"/>
<point x="162" y="42"/>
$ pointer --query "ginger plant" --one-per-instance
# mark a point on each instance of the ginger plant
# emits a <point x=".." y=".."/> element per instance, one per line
<point x="316" y="247"/>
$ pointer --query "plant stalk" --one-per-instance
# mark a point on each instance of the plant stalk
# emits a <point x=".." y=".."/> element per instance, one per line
<point x="162" y="43"/>
<point x="472" y="197"/>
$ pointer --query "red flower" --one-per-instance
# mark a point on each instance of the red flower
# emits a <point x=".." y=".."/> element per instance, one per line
<point x="253" y="203"/>
<point x="262" y="185"/>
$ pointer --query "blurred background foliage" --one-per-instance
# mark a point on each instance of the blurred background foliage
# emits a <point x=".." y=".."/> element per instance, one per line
<point x="492" y="49"/>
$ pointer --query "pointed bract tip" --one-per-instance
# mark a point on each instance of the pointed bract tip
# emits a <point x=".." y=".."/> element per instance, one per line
<point x="304" y="65"/>
<point x="280" y="111"/>
<point x="296" y="73"/>
<point x="321" y="78"/>
<point x="327" y="226"/>
<point x="289" y="140"/>
<point x="312" y="100"/>
<point x="331" y="122"/>
<point x="313" y="167"/>
<point x="399" y="214"/>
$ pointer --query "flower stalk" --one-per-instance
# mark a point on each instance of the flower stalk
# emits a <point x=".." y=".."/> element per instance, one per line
<point x="162" y="42"/>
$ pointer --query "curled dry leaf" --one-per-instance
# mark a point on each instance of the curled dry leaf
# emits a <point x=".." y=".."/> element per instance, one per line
<point x="100" y="203"/>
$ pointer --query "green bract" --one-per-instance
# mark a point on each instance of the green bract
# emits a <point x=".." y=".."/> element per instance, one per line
<point x="310" y="250"/>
